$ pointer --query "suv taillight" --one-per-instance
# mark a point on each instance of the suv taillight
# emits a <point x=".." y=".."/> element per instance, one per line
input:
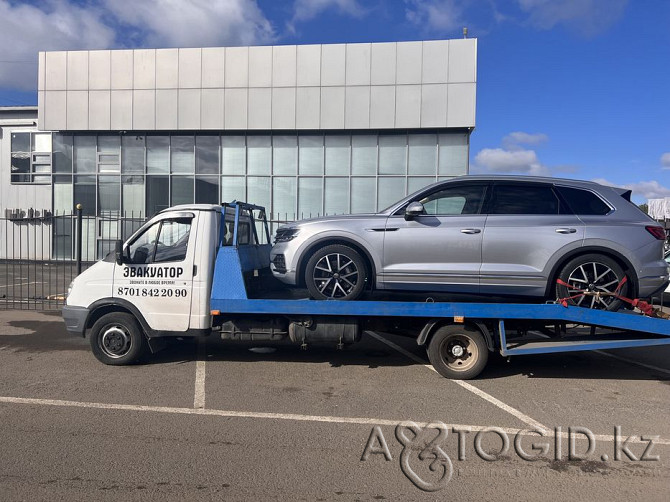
<point x="658" y="232"/>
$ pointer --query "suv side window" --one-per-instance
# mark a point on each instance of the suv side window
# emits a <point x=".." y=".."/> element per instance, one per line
<point x="164" y="241"/>
<point x="455" y="200"/>
<point x="524" y="199"/>
<point x="583" y="202"/>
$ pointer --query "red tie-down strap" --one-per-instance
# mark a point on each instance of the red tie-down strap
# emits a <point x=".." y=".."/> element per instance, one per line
<point x="645" y="307"/>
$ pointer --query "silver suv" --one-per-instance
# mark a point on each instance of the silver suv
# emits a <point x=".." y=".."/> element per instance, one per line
<point x="495" y="235"/>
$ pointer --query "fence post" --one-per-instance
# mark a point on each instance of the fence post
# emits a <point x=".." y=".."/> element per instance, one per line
<point x="79" y="208"/>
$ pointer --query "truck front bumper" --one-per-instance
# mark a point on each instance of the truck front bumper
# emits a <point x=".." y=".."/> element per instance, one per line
<point x="75" y="319"/>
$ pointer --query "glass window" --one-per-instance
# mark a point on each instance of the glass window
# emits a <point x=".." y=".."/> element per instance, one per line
<point x="283" y="197"/>
<point x="172" y="241"/>
<point x="63" y="195"/>
<point x="233" y="188"/>
<point x="62" y="153"/>
<point x="310" y="197"/>
<point x="182" y="190"/>
<point x="158" y="154"/>
<point x="583" y="202"/>
<point x="392" y="154"/>
<point x="207" y="190"/>
<point x="523" y="199"/>
<point x="84" y="154"/>
<point x="391" y="189"/>
<point x="416" y="183"/>
<point x="158" y="194"/>
<point x="259" y="155"/>
<point x="20" y="142"/>
<point x="41" y="142"/>
<point x="109" y="154"/>
<point x="422" y="154"/>
<point x="284" y="155"/>
<point x="207" y="154"/>
<point x="132" y="154"/>
<point x="142" y="248"/>
<point x="337" y="155"/>
<point x="310" y="154"/>
<point x="362" y="195"/>
<point x="364" y="154"/>
<point x="233" y="155"/>
<point x="182" y="154"/>
<point x="109" y="144"/>
<point x="259" y="191"/>
<point x="109" y="195"/>
<point x="453" y="154"/>
<point x="21" y="167"/>
<point x="84" y="194"/>
<point x="133" y="196"/>
<point x="336" y="197"/>
<point x="455" y="200"/>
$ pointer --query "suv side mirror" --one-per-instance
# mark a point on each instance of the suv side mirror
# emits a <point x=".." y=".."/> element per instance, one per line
<point x="413" y="210"/>
<point x="118" y="252"/>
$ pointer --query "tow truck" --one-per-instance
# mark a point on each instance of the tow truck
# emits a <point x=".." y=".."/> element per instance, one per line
<point x="194" y="270"/>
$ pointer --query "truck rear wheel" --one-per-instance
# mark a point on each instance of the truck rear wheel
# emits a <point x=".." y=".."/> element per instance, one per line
<point x="458" y="352"/>
<point x="117" y="339"/>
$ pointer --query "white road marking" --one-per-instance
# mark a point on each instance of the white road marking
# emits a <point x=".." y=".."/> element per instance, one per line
<point x="631" y="361"/>
<point x="478" y="392"/>
<point x="199" y="397"/>
<point x="292" y="416"/>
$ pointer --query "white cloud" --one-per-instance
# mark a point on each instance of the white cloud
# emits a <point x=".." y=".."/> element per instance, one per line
<point x="499" y="160"/>
<point x="665" y="160"/>
<point x="306" y="10"/>
<point x="435" y="15"/>
<point x="514" y="140"/>
<point x="641" y="189"/>
<point x="586" y="17"/>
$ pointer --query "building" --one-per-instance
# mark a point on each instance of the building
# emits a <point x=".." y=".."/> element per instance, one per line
<point x="304" y="130"/>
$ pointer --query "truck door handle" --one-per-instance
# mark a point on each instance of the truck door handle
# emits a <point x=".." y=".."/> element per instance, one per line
<point x="470" y="230"/>
<point x="566" y="230"/>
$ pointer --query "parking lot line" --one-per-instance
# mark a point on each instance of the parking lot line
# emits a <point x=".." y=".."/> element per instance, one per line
<point x="199" y="397"/>
<point x="478" y="392"/>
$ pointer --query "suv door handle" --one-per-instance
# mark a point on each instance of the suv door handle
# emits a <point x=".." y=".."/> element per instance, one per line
<point x="566" y="230"/>
<point x="470" y="230"/>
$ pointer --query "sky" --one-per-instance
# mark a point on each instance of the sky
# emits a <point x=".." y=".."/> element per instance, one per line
<point x="565" y="88"/>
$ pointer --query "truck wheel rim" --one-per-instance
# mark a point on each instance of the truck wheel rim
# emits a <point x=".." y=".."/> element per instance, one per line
<point x="335" y="275"/>
<point x="115" y="341"/>
<point x="593" y="277"/>
<point x="459" y="352"/>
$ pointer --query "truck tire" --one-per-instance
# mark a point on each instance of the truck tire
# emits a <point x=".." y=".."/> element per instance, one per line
<point x="336" y="272"/>
<point x="458" y="352"/>
<point x="117" y="339"/>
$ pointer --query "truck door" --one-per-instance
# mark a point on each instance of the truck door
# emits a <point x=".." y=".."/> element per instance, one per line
<point x="157" y="271"/>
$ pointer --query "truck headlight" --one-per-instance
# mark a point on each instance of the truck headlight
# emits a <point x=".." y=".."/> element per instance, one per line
<point x="69" y="289"/>
<point x="286" y="234"/>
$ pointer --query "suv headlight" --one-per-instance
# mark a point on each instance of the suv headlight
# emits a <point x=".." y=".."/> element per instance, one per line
<point x="286" y="234"/>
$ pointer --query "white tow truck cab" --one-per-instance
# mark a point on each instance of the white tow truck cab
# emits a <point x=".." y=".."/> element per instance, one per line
<point x="195" y="269"/>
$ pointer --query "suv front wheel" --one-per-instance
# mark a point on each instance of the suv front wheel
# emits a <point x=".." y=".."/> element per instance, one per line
<point x="336" y="272"/>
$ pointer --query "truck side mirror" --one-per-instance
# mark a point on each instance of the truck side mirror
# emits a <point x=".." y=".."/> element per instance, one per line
<point x="413" y="210"/>
<point x="118" y="252"/>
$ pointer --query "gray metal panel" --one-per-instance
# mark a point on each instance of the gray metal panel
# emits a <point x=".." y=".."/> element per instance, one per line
<point x="144" y="109"/>
<point x="212" y="110"/>
<point x="408" y="106"/>
<point x="357" y="70"/>
<point x="260" y="66"/>
<point x="167" y="68"/>
<point x="308" y="107"/>
<point x="463" y="60"/>
<point x="144" y="69"/>
<point x="357" y="107"/>
<point x="434" y="105"/>
<point x="213" y="64"/>
<point x="260" y="108"/>
<point x="461" y="105"/>
<point x="435" y="61"/>
<point x="308" y="65"/>
<point x="41" y="72"/>
<point x="332" y="64"/>
<point x="284" y="108"/>
<point x="77" y="110"/>
<point x="189" y="108"/>
<point x="382" y="106"/>
<point x="409" y="63"/>
<point x="382" y="67"/>
<point x="235" y="106"/>
<point x="166" y="109"/>
<point x="99" y="67"/>
<point x="190" y="68"/>
<point x="284" y="66"/>
<point x="122" y="69"/>
<point x="332" y="108"/>
<point x="77" y="71"/>
<point x="40" y="113"/>
<point x="121" y="116"/>
<point x="237" y="67"/>
<point x="55" y="110"/>
<point x="99" y="111"/>
<point x="56" y="71"/>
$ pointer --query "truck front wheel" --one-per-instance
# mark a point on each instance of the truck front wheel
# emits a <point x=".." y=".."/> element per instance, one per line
<point x="458" y="352"/>
<point x="117" y="339"/>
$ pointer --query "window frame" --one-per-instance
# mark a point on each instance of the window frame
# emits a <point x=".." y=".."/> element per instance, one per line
<point x="33" y="161"/>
